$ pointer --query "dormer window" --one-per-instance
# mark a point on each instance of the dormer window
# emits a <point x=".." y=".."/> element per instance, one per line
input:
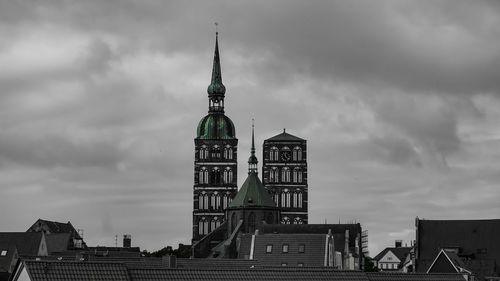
<point x="3" y="253"/>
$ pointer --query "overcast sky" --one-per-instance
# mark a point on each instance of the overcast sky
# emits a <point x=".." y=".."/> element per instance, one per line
<point x="99" y="102"/>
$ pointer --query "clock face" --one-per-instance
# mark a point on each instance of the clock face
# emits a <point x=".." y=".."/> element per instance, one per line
<point x="285" y="155"/>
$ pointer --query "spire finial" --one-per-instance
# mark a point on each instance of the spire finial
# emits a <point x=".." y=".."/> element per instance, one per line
<point x="216" y="89"/>
<point x="252" y="161"/>
<point x="216" y="28"/>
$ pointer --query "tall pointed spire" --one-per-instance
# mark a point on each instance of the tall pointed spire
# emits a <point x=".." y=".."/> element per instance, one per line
<point x="216" y="89"/>
<point x="252" y="160"/>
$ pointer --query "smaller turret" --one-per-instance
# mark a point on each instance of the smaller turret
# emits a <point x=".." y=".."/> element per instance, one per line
<point x="252" y="160"/>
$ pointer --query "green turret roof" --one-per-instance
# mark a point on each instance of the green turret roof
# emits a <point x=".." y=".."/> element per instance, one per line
<point x="216" y="126"/>
<point x="252" y="194"/>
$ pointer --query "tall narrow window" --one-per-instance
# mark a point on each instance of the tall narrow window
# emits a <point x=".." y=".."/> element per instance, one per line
<point x="225" y="201"/>
<point x="215" y="176"/>
<point x="285" y="174"/>
<point x="228" y="152"/>
<point x="285" y="198"/>
<point x="228" y="175"/>
<point x="273" y="153"/>
<point x="203" y="176"/>
<point x="297" y="154"/>
<point x="297" y="175"/>
<point x="203" y="154"/>
<point x="203" y="226"/>
<point x="273" y="174"/>
<point x="203" y="201"/>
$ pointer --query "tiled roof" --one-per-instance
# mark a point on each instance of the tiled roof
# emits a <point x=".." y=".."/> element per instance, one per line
<point x="6" y="261"/>
<point x="399" y="276"/>
<point x="27" y="243"/>
<point x="338" y="231"/>
<point x="473" y="238"/>
<point x="284" y="137"/>
<point x="54" y="226"/>
<point x="313" y="254"/>
<point x="110" y="271"/>
<point x="269" y="274"/>
<point x="399" y="252"/>
<point x="75" y="271"/>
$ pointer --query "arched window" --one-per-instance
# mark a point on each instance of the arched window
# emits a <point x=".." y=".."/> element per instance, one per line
<point x="299" y="199"/>
<point x="225" y="201"/>
<point x="203" y="226"/>
<point x="285" y="174"/>
<point x="297" y="154"/>
<point x="295" y="200"/>
<point x="203" y="176"/>
<point x="273" y="153"/>
<point x="215" y="200"/>
<point x="215" y="176"/>
<point x="251" y="222"/>
<point x="203" y="201"/>
<point x="276" y="198"/>
<point x="228" y="175"/>
<point x="203" y="154"/>
<point x="285" y="198"/>
<point x="216" y="152"/>
<point x="214" y="223"/>
<point x="297" y="220"/>
<point x="297" y="175"/>
<point x="228" y="152"/>
<point x="285" y="220"/>
<point x="273" y="174"/>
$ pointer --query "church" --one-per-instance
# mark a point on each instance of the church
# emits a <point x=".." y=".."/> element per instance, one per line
<point x="247" y="222"/>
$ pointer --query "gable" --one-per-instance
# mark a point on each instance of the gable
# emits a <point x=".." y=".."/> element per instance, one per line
<point x="442" y="264"/>
<point x="389" y="257"/>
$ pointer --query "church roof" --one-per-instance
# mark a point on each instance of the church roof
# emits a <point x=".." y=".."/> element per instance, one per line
<point x="252" y="194"/>
<point x="216" y="126"/>
<point x="285" y="137"/>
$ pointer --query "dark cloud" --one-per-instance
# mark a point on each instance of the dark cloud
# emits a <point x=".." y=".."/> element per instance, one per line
<point x="100" y="100"/>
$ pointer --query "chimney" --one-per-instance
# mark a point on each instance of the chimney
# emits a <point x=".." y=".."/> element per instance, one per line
<point x="127" y="241"/>
<point x="398" y="243"/>
<point x="169" y="261"/>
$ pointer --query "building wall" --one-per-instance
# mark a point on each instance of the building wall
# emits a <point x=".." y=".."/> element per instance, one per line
<point x="289" y="192"/>
<point x="215" y="183"/>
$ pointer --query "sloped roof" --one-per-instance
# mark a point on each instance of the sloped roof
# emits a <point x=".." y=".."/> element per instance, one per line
<point x="469" y="236"/>
<point x="252" y="194"/>
<point x="53" y="226"/>
<point x="6" y="261"/>
<point x="313" y="255"/>
<point x="75" y="271"/>
<point x="268" y="274"/>
<point x="399" y="276"/>
<point x="27" y="243"/>
<point x="399" y="252"/>
<point x="284" y="137"/>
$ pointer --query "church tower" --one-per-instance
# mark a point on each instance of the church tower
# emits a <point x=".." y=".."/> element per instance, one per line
<point x="284" y="173"/>
<point x="215" y="159"/>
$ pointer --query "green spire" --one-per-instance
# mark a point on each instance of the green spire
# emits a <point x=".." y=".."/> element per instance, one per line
<point x="252" y="161"/>
<point x="216" y="88"/>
